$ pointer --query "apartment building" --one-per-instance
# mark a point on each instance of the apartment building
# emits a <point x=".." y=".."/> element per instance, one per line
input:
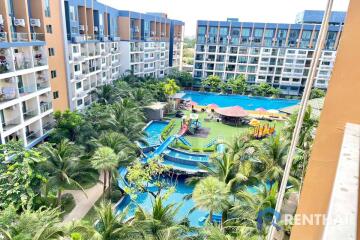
<point x="25" y="75"/>
<point x="103" y="43"/>
<point x="275" y="53"/>
<point x="53" y="54"/>
<point x="151" y="43"/>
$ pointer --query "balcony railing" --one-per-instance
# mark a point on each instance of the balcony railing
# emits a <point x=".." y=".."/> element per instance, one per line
<point x="30" y="114"/>
<point x="7" y="94"/>
<point x="38" y="37"/>
<point x="19" y="37"/>
<point x="32" y="136"/>
<point x="45" y="106"/>
<point x="43" y="85"/>
<point x="28" y="89"/>
<point x="3" y="37"/>
<point x="47" y="127"/>
<point x="23" y="64"/>
<point x="8" y="124"/>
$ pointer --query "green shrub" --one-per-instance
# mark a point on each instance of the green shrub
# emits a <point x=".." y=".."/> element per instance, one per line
<point x="196" y="149"/>
<point x="167" y="130"/>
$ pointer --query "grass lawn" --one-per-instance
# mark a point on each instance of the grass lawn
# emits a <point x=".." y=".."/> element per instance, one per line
<point x="218" y="129"/>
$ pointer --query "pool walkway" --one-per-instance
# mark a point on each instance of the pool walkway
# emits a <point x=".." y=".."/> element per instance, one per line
<point x="84" y="202"/>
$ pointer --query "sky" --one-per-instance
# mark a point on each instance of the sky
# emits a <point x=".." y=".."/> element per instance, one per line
<point x="189" y="11"/>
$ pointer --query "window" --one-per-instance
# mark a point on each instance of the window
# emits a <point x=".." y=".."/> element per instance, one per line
<point x="201" y="30"/>
<point x="77" y="67"/>
<point x="51" y="52"/>
<point x="56" y="95"/>
<point x="78" y="85"/>
<point x="258" y="33"/>
<point x="53" y="74"/>
<point x="72" y="13"/>
<point x="47" y="8"/>
<point x="245" y="32"/>
<point x="79" y="102"/>
<point x="269" y="33"/>
<point x="49" y="29"/>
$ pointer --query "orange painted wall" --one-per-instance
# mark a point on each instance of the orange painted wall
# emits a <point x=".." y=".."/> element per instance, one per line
<point x="341" y="106"/>
<point x="57" y="62"/>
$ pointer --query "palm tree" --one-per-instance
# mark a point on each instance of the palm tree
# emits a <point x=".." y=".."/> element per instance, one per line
<point x="307" y="129"/>
<point x="105" y="160"/>
<point x="112" y="225"/>
<point x="248" y="205"/>
<point x="241" y="148"/>
<point x="65" y="167"/>
<point x="161" y="222"/>
<point x="116" y="141"/>
<point x="106" y="94"/>
<point x="126" y="118"/>
<point x="142" y="96"/>
<point x="212" y="195"/>
<point x="273" y="156"/>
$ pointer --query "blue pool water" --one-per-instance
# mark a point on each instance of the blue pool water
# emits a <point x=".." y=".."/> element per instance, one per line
<point x="246" y="102"/>
<point x="187" y="156"/>
<point x="182" y="189"/>
<point x="153" y="131"/>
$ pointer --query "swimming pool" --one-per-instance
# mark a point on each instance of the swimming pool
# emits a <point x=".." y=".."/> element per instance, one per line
<point x="153" y="132"/>
<point x="181" y="190"/>
<point x="246" y="102"/>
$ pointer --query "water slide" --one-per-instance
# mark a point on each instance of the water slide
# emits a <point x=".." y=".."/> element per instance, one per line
<point x="159" y="150"/>
<point x="122" y="181"/>
<point x="184" y="141"/>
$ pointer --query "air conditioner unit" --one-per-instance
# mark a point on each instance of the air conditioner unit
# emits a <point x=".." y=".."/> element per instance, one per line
<point x="96" y="28"/>
<point x="136" y="29"/>
<point x="82" y="27"/>
<point x="35" y="22"/>
<point x="274" y="39"/>
<point x="1" y="20"/>
<point x="152" y="33"/>
<point x="19" y="22"/>
<point x="162" y="34"/>
<point x="251" y="38"/>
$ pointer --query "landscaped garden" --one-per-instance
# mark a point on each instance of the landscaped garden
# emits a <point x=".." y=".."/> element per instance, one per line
<point x="225" y="187"/>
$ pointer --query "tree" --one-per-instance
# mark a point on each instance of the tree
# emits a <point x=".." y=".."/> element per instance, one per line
<point x="249" y="204"/>
<point x="29" y="224"/>
<point x="212" y="81"/>
<point x="170" y="87"/>
<point x="161" y="221"/>
<point x="126" y="118"/>
<point x="238" y="85"/>
<point x="105" y="160"/>
<point x="20" y="176"/>
<point x="106" y="94"/>
<point x="262" y="89"/>
<point x="317" y="93"/>
<point x="212" y="195"/>
<point x="274" y="92"/>
<point x="68" y="125"/>
<point x="183" y="78"/>
<point x="143" y="176"/>
<point x="273" y="157"/>
<point x="113" y="225"/>
<point x="64" y="166"/>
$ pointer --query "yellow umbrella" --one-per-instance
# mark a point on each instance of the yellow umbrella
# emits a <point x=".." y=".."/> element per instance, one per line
<point x="254" y="122"/>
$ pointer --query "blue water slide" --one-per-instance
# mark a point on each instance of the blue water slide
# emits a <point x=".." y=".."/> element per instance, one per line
<point x="122" y="181"/>
<point x="162" y="147"/>
<point x="186" y="142"/>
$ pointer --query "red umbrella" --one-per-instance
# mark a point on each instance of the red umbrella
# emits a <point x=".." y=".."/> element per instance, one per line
<point x="192" y="103"/>
<point x="235" y="111"/>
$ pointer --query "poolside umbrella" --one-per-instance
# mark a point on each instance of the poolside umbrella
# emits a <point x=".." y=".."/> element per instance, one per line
<point x="254" y="122"/>
<point x="261" y="110"/>
<point x="235" y="112"/>
<point x="273" y="111"/>
<point x="212" y="106"/>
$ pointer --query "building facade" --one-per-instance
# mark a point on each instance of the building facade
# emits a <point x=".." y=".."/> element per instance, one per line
<point x="53" y="54"/>
<point x="274" y="53"/>
<point x="103" y="43"/>
<point x="25" y="75"/>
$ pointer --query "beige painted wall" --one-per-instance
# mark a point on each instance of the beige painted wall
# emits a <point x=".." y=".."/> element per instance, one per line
<point x="341" y="106"/>
<point x="57" y="62"/>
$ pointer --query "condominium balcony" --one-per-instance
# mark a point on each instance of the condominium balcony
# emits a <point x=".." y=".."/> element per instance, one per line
<point x="27" y="89"/>
<point x="22" y="63"/>
<point x="30" y="114"/>
<point x="3" y="37"/>
<point x="8" y="94"/>
<point x="45" y="106"/>
<point x="48" y="126"/>
<point x="32" y="136"/>
<point x="11" y="123"/>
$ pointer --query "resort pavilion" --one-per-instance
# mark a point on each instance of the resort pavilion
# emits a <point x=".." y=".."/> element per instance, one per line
<point x="232" y="115"/>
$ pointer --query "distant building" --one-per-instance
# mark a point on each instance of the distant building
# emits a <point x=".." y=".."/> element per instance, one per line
<point x="275" y="53"/>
